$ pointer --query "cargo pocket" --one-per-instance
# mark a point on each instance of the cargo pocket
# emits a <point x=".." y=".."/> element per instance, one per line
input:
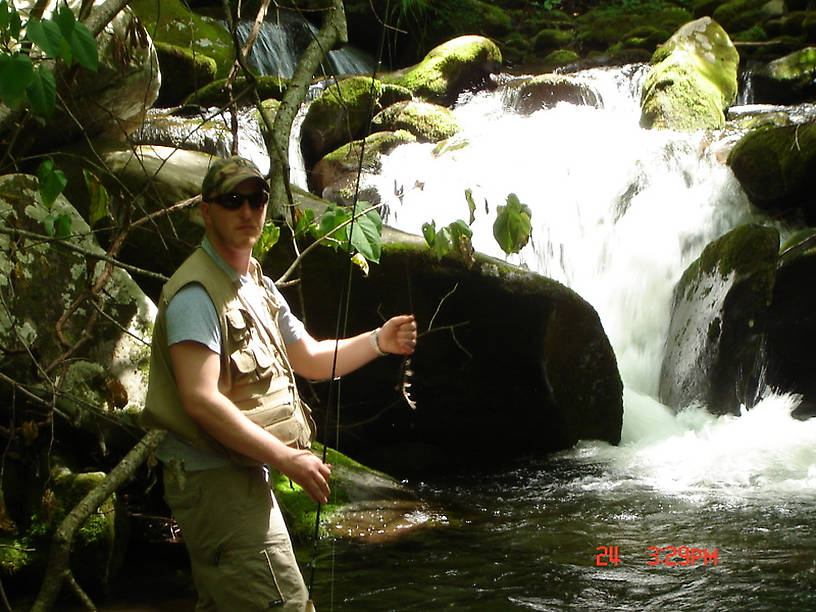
<point x="266" y="579"/>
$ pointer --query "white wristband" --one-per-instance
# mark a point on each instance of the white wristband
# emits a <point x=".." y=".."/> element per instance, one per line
<point x="372" y="338"/>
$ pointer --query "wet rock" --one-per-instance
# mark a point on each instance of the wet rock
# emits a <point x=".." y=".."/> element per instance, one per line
<point x="788" y="80"/>
<point x="453" y="67"/>
<point x="719" y="316"/>
<point x="775" y="167"/>
<point x="791" y="327"/>
<point x="339" y="115"/>
<point x="545" y="91"/>
<point x="693" y="79"/>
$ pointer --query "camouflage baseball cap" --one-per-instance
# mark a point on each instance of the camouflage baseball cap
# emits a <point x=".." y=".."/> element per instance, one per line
<point x="225" y="174"/>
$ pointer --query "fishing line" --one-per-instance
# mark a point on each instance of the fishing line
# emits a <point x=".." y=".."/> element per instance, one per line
<point x="341" y="320"/>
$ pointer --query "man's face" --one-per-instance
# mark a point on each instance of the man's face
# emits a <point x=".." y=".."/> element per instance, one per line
<point x="237" y="228"/>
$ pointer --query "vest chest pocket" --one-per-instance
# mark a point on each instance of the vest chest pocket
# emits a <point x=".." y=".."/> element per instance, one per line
<point x="248" y="353"/>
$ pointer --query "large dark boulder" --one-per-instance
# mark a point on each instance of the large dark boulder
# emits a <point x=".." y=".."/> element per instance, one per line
<point x="714" y="346"/>
<point x="776" y="166"/>
<point x="791" y="328"/>
<point x="514" y="363"/>
<point x="545" y="91"/>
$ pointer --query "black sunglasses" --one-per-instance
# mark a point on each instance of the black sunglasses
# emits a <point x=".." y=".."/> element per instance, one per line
<point x="234" y="201"/>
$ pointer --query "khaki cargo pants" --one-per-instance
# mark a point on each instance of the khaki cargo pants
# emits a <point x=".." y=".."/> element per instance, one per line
<point x="240" y="552"/>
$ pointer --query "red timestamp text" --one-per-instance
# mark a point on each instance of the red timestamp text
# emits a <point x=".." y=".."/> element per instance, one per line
<point x="665" y="555"/>
<point x="682" y="555"/>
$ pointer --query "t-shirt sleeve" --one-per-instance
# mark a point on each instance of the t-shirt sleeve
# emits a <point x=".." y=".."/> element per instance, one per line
<point x="291" y="327"/>
<point x="191" y="315"/>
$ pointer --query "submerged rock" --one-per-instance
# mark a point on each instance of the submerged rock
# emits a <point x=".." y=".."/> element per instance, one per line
<point x="714" y="346"/>
<point x="693" y="79"/>
<point x="545" y="91"/>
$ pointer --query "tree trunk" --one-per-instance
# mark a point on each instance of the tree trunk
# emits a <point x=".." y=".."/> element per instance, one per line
<point x="58" y="570"/>
<point x="333" y="33"/>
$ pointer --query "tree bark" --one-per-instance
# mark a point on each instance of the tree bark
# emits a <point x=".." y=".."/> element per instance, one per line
<point x="333" y="33"/>
<point x="57" y="570"/>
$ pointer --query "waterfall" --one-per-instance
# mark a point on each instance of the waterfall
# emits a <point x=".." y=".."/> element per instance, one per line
<point x="618" y="212"/>
<point x="284" y="36"/>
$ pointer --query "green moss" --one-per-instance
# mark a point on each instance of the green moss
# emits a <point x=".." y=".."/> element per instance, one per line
<point x="215" y="94"/>
<point x="562" y="56"/>
<point x="428" y="122"/>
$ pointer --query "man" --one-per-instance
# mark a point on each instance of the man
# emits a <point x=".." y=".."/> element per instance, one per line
<point x="225" y="350"/>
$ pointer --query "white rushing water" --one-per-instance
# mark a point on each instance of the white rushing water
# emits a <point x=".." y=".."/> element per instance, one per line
<point x="618" y="213"/>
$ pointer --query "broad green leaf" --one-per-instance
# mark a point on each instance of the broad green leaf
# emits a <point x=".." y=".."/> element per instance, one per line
<point x="16" y="73"/>
<point x="333" y="217"/>
<point x="471" y="205"/>
<point x="98" y="196"/>
<point x="429" y="232"/>
<point x="48" y="37"/>
<point x="51" y="182"/>
<point x="65" y="20"/>
<point x="366" y="236"/>
<point x="442" y="243"/>
<point x="42" y="91"/>
<point x="268" y="238"/>
<point x="83" y="47"/>
<point x="48" y="224"/>
<point x="512" y="227"/>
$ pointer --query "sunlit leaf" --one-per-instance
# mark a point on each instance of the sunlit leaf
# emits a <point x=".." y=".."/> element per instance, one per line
<point x="471" y="205"/>
<point x="512" y="227"/>
<point x="429" y="232"/>
<point x="98" y="197"/>
<point x="42" y="91"/>
<point x="366" y="236"/>
<point x="303" y="220"/>
<point x="361" y="262"/>
<point x="269" y="237"/>
<point x="51" y="182"/>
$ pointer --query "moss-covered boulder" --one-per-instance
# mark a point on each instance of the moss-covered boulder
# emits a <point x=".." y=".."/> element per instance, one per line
<point x="335" y="176"/>
<point x="216" y="93"/>
<point x="788" y="80"/>
<point x="453" y="67"/>
<point x="183" y="72"/>
<point x="171" y="21"/>
<point x="339" y="115"/>
<point x="714" y="347"/>
<point x="791" y="329"/>
<point x="427" y="122"/>
<point x="693" y="79"/>
<point x="527" y="96"/>
<point x="504" y="342"/>
<point x="776" y="166"/>
<point x="188" y="128"/>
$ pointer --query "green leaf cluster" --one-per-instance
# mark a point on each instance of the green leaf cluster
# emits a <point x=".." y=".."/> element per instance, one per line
<point x="24" y="78"/>
<point x="453" y="239"/>
<point x="366" y="230"/>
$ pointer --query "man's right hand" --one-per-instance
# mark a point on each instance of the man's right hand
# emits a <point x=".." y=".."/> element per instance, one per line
<point x="306" y="469"/>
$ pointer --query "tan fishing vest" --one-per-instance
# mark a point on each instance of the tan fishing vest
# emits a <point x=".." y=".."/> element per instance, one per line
<point x="255" y="370"/>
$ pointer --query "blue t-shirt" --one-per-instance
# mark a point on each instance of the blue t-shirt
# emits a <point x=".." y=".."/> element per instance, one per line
<point x="191" y="315"/>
